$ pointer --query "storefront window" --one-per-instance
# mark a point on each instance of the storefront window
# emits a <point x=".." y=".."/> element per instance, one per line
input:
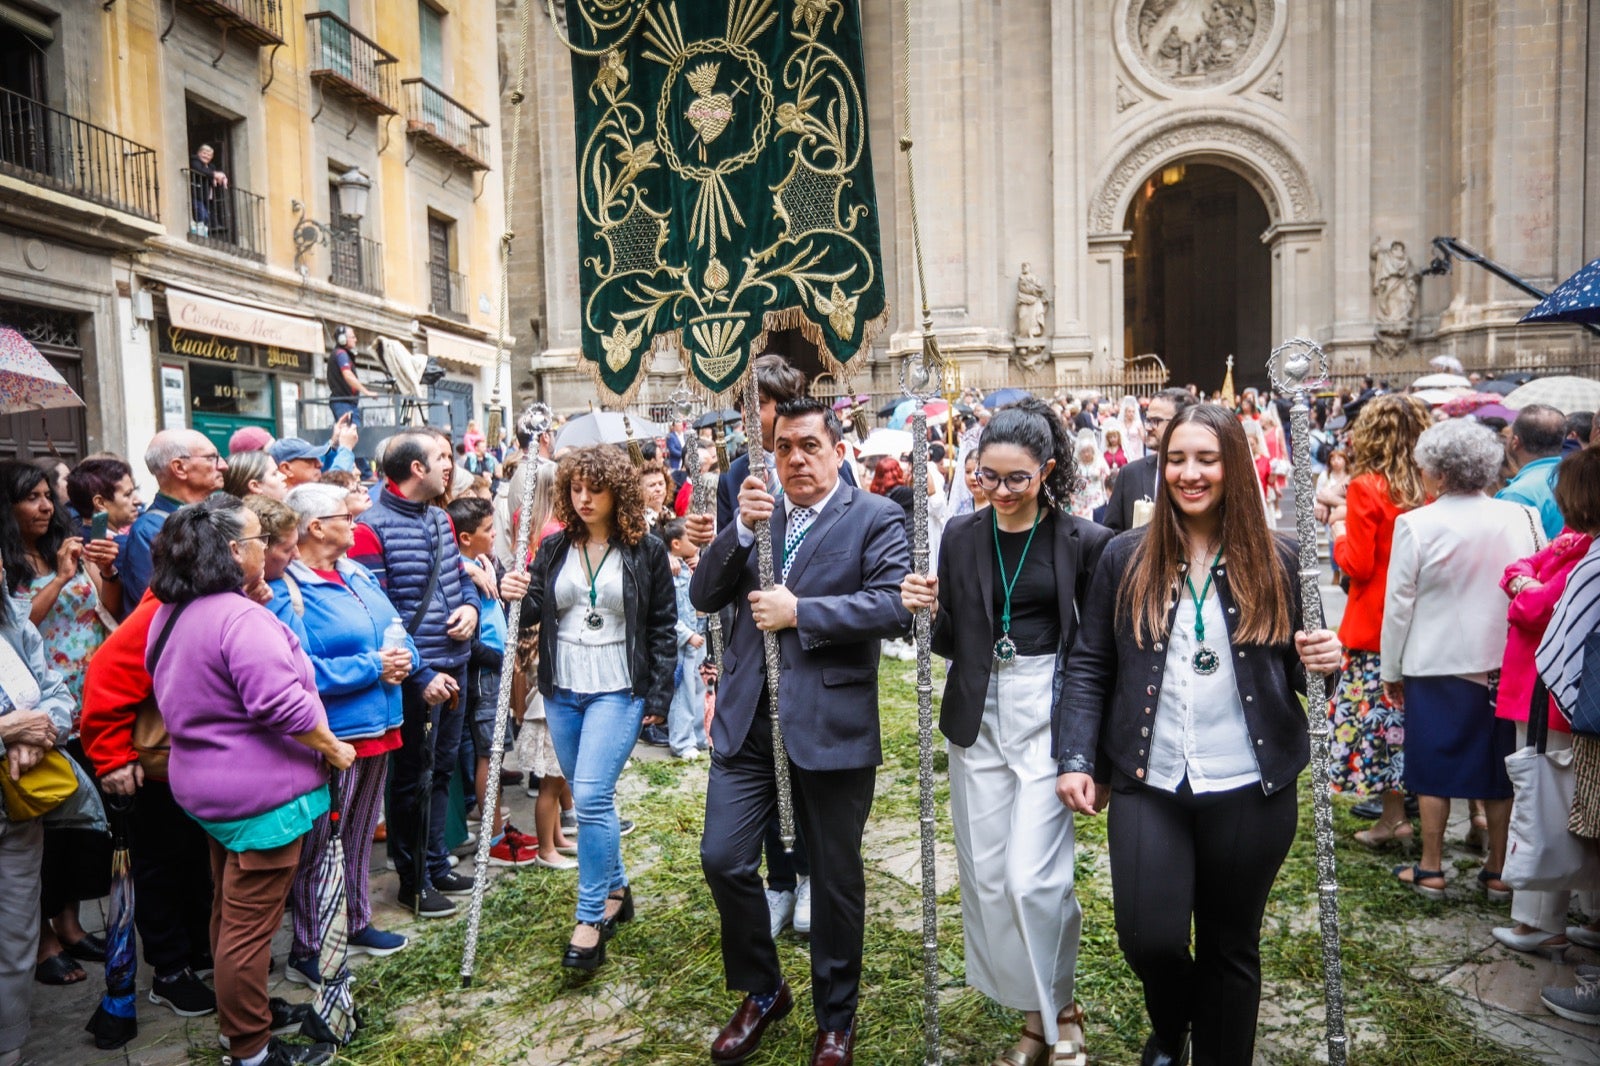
<point x="222" y="390"/>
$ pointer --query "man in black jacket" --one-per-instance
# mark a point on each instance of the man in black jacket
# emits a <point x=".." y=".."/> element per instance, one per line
<point x="1137" y="480"/>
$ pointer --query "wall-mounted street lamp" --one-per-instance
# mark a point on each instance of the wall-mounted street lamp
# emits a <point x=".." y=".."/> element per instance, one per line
<point x="354" y="187"/>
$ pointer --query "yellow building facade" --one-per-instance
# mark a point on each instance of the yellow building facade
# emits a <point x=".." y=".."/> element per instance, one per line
<point x="194" y="195"/>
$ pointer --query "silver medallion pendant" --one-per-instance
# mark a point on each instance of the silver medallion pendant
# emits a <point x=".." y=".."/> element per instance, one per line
<point x="1205" y="661"/>
<point x="1005" y="649"/>
<point x="594" y="621"/>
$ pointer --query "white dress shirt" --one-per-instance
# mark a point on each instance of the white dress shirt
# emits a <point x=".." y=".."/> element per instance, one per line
<point x="1200" y="731"/>
<point x="747" y="536"/>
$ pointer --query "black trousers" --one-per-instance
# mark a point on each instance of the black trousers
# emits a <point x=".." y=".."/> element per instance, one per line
<point x="1212" y="858"/>
<point x="420" y="774"/>
<point x="831" y="809"/>
<point x="171" y="880"/>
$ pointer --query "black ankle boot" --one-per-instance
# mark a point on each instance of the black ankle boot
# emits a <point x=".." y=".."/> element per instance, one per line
<point x="586" y="959"/>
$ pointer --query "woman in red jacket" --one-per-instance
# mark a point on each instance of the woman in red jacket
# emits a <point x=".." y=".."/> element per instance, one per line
<point x="1367" y="730"/>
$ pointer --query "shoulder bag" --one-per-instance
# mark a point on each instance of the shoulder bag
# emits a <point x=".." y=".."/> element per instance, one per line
<point x="1542" y="854"/>
<point x="150" y="738"/>
<point x="51" y="780"/>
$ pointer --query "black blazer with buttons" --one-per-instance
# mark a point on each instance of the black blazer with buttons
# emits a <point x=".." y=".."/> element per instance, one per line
<point x="1113" y="691"/>
<point x="963" y="628"/>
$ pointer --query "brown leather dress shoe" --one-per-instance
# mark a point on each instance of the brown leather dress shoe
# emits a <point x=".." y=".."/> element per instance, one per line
<point x="834" y="1047"/>
<point x="741" y="1037"/>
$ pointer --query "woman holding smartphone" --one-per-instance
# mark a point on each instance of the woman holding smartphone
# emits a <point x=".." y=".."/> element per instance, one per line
<point x="1182" y="707"/>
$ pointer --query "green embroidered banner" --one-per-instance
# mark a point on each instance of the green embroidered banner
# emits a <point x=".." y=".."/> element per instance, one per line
<point x="724" y="181"/>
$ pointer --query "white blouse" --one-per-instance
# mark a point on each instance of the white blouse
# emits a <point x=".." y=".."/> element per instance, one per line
<point x="591" y="660"/>
<point x="1200" y="731"/>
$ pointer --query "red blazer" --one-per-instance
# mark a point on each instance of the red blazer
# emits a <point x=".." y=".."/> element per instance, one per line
<point x="1363" y="553"/>
<point x="114" y="685"/>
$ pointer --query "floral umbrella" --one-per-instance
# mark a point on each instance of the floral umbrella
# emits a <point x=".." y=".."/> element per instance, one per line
<point x="1465" y="405"/>
<point x="27" y="380"/>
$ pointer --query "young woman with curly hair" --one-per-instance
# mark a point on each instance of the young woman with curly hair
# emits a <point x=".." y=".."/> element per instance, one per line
<point x="601" y="593"/>
<point x="1368" y="730"/>
<point x="1012" y="583"/>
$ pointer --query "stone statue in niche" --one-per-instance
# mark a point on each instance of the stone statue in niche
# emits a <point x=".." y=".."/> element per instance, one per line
<point x="1395" y="288"/>
<point x="1032" y="305"/>
<point x="1205" y="40"/>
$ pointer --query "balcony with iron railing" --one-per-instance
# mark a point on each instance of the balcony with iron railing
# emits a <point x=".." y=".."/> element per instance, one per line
<point x="225" y="217"/>
<point x="347" y="63"/>
<point x="445" y="125"/>
<point x="356" y="262"/>
<point x="258" y="21"/>
<point x="63" y="153"/>
<point x="447" y="292"/>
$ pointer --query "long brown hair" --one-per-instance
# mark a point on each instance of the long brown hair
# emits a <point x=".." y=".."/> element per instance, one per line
<point x="1256" y="578"/>
<point x="602" y="466"/>
<point x="1382" y="440"/>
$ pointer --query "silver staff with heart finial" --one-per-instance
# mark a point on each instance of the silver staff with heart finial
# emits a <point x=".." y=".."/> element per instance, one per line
<point x="920" y="378"/>
<point x="702" y="500"/>
<point x="780" y="752"/>
<point x="535" y="421"/>
<point x="1296" y="367"/>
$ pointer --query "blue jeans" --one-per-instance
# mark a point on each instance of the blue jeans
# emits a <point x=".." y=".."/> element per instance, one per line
<point x="686" y="720"/>
<point x="348" y="405"/>
<point x="593" y="734"/>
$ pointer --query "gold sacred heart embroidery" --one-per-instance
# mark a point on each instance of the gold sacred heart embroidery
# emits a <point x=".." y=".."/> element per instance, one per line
<point x="709" y="112"/>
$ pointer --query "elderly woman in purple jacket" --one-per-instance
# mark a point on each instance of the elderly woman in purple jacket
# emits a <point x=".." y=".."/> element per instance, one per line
<point x="250" y="752"/>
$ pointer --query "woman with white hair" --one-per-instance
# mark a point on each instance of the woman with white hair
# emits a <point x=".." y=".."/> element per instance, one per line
<point x="1444" y="634"/>
<point x="1089" y="492"/>
<point x="342" y="614"/>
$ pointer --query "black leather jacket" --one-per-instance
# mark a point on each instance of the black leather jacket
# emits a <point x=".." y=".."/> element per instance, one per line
<point x="1113" y="688"/>
<point x="650" y="604"/>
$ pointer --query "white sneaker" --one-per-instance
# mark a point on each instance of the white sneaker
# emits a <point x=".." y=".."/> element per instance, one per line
<point x="780" y="910"/>
<point x="802" y="905"/>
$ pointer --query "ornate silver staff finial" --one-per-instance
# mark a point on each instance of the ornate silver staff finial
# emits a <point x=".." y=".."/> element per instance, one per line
<point x="1295" y="368"/>
<point x="535" y="421"/>
<point x="682" y="402"/>
<point x="920" y="376"/>
<point x="1297" y="365"/>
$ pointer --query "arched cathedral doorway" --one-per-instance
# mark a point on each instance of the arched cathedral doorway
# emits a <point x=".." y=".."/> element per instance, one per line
<point x="1197" y="278"/>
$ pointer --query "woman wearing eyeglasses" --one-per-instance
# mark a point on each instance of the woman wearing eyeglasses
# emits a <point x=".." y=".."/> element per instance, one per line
<point x="1184" y="698"/>
<point x="1011" y="584"/>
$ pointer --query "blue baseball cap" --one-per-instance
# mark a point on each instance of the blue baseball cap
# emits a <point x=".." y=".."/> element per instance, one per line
<point x="291" y="448"/>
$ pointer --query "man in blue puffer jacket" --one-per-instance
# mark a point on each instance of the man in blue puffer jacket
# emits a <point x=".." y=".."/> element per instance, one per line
<point x="411" y="549"/>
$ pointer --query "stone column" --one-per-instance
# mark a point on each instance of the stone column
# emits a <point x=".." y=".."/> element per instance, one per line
<point x="1070" y="342"/>
<point x="1103" y="300"/>
<point x="1298" y="291"/>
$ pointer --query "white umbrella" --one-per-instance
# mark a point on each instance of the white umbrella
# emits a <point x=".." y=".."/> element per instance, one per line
<point x="1435" y="397"/>
<point x="1565" y="393"/>
<point x="895" y="442"/>
<point x="1447" y="362"/>
<point x="605" y="427"/>
<point x="1441" y="381"/>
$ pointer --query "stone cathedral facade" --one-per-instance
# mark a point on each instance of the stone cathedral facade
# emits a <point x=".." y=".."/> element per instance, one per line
<point x="1107" y="186"/>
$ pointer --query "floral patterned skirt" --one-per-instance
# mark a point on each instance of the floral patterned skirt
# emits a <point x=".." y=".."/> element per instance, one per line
<point x="1367" y="731"/>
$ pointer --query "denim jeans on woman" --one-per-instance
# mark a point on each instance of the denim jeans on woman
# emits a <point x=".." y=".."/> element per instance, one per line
<point x="593" y="734"/>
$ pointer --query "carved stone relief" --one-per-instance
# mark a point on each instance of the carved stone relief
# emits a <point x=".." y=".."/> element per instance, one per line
<point x="1395" y="288"/>
<point x="1273" y="86"/>
<point x="1125" y="97"/>
<point x="1195" y="44"/>
<point x="1033" y="303"/>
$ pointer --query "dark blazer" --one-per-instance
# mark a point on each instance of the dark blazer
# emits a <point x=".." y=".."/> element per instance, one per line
<point x="1113" y="690"/>
<point x="739" y="469"/>
<point x="650" y="602"/>
<point x="846" y="575"/>
<point x="963" y="628"/>
<point x="1134" y="482"/>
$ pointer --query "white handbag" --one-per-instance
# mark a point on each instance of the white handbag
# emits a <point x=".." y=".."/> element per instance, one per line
<point x="1542" y="854"/>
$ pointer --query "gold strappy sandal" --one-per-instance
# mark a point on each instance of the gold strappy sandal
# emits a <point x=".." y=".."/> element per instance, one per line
<point x="1014" y="1057"/>
<point x="1070" y="1052"/>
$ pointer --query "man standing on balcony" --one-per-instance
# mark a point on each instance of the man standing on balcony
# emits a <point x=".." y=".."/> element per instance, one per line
<point x="344" y="388"/>
<point x="204" y="185"/>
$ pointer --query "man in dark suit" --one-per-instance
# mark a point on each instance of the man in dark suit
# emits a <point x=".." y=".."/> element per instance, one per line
<point x="1137" y="480"/>
<point x="841" y="554"/>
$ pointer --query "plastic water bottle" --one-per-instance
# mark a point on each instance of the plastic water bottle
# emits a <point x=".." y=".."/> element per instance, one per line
<point x="395" y="635"/>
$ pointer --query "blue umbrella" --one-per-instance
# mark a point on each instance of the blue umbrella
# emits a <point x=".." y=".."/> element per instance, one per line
<point x="902" y="414"/>
<point x="114" y="1022"/>
<point x="1575" y="300"/>
<point x="1001" y="397"/>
